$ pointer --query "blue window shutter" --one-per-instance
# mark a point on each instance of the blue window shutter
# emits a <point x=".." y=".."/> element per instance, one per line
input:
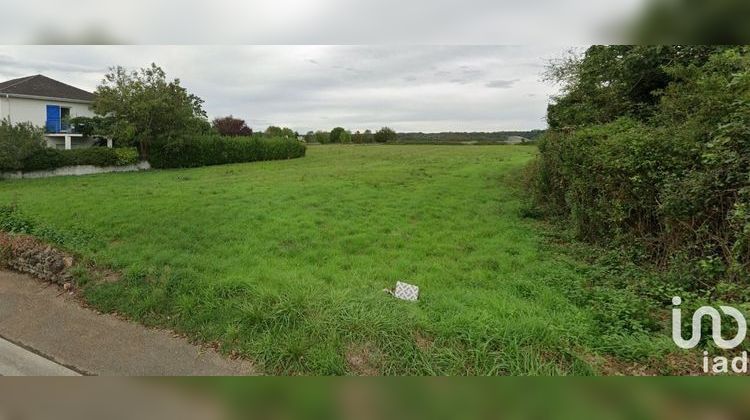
<point x="53" y="119"/>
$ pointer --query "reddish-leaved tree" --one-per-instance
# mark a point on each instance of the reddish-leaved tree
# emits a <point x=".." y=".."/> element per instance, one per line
<point x="230" y="126"/>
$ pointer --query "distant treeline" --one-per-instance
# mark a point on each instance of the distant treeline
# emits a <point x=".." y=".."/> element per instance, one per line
<point x="473" y="137"/>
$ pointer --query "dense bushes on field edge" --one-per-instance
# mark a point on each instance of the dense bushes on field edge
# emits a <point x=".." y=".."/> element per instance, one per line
<point x="667" y="169"/>
<point x="204" y="150"/>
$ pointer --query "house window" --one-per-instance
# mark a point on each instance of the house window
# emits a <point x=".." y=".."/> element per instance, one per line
<point x="58" y="119"/>
<point x="65" y="120"/>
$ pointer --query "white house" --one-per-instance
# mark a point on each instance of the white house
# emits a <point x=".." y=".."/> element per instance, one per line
<point x="47" y="103"/>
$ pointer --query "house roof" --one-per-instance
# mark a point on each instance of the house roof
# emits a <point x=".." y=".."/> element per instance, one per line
<point x="43" y="86"/>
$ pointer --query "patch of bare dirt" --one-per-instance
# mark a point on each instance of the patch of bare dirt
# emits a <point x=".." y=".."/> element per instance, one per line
<point x="423" y="342"/>
<point x="363" y="359"/>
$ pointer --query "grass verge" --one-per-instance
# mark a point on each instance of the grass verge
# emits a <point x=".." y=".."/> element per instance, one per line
<point x="284" y="262"/>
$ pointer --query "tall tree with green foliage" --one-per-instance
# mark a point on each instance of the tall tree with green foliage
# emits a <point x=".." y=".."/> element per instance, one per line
<point x="280" y="132"/>
<point x="385" y="135"/>
<point x="322" y="137"/>
<point x="607" y="82"/>
<point x="345" y="137"/>
<point x="336" y="134"/>
<point x="145" y="106"/>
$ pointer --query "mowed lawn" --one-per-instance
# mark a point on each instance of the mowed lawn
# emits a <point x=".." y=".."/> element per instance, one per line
<point x="285" y="262"/>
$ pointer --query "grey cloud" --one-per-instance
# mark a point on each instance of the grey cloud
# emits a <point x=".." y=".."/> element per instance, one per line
<point x="501" y="84"/>
<point x="406" y="87"/>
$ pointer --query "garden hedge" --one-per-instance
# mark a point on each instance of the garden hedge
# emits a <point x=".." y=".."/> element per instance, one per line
<point x="205" y="150"/>
<point x="46" y="158"/>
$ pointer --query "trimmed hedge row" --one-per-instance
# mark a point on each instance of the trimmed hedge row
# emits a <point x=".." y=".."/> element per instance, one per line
<point x="205" y="150"/>
<point x="46" y="158"/>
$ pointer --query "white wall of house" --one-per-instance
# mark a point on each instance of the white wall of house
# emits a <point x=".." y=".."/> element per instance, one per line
<point x="35" y="110"/>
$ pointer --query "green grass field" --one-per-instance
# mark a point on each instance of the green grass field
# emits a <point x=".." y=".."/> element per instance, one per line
<point x="285" y="262"/>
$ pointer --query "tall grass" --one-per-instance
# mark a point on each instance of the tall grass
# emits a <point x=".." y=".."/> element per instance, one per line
<point x="284" y="262"/>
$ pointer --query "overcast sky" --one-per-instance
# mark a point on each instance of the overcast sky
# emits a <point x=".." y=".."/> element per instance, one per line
<point x="414" y="88"/>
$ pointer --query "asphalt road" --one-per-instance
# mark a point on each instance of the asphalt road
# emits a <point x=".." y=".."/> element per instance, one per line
<point x="39" y="316"/>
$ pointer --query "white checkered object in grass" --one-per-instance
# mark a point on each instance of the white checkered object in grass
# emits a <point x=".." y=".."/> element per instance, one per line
<point x="406" y="291"/>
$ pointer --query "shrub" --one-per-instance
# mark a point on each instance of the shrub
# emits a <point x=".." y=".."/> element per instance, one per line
<point x="47" y="158"/>
<point x="385" y="135"/>
<point x="18" y="142"/>
<point x="194" y="151"/>
<point x="126" y="156"/>
<point x="673" y="180"/>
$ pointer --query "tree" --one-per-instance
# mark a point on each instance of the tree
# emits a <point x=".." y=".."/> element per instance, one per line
<point x="357" y="137"/>
<point x="336" y="134"/>
<point x="322" y="137"/>
<point x="367" y="137"/>
<point x="100" y="128"/>
<point x="310" y="137"/>
<point x="385" y="135"/>
<point x="274" y="131"/>
<point x="230" y="126"/>
<point x="608" y="82"/>
<point x="145" y="106"/>
<point x="345" y="137"/>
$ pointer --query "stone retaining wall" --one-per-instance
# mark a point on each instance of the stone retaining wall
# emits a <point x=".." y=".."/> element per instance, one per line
<point x="29" y="255"/>
<point x="76" y="170"/>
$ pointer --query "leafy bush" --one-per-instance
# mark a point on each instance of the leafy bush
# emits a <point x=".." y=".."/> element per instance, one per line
<point x="126" y="156"/>
<point x="22" y="148"/>
<point x="187" y="151"/>
<point x="669" y="173"/>
<point x="17" y="142"/>
<point x="47" y="158"/>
